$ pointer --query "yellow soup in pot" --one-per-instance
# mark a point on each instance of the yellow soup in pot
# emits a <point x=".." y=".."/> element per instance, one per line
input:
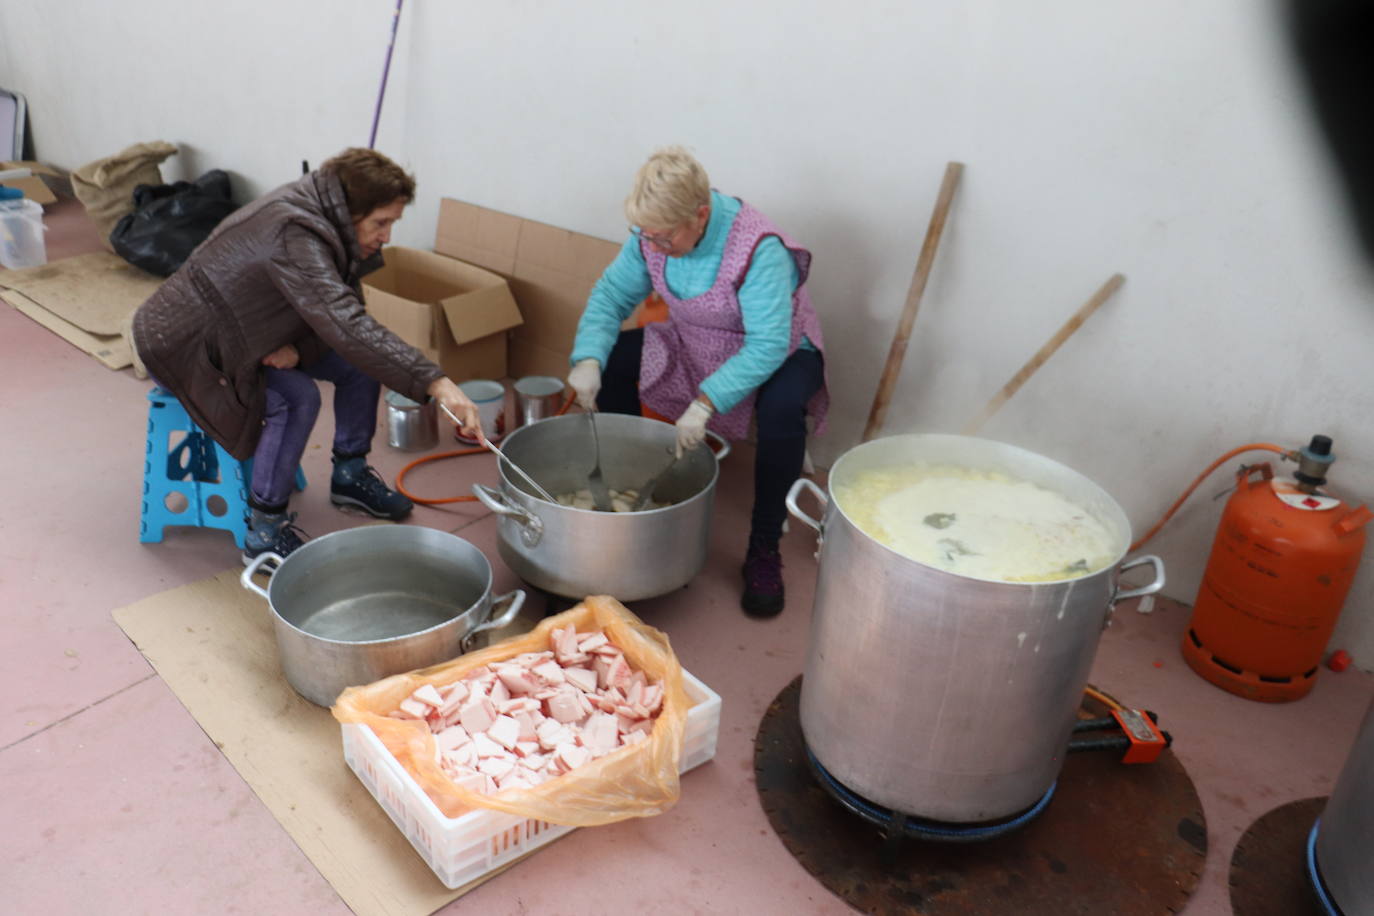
<point x="983" y="524"/>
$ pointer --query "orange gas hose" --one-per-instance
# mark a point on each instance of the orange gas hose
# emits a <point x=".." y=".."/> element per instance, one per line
<point x="425" y="501"/>
<point x="1254" y="446"/>
<point x="469" y="498"/>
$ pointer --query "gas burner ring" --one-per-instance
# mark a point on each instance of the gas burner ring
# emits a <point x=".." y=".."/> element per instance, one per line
<point x="917" y="827"/>
<point x="1314" y="874"/>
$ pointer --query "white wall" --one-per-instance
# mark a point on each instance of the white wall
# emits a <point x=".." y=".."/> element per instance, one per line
<point x="1169" y="141"/>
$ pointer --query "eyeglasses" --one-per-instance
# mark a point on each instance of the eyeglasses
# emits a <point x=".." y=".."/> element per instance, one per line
<point x="661" y="241"/>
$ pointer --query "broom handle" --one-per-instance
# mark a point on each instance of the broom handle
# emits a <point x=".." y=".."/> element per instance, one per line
<point x="386" y="70"/>
<point x="897" y="353"/>
<point x="1044" y="353"/>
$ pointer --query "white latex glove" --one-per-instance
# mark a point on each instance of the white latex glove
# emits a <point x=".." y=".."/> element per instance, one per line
<point x="691" y="426"/>
<point x="585" y="380"/>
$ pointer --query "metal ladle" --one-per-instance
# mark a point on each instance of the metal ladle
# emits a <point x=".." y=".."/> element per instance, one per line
<point x="601" y="495"/>
<point x="487" y="444"/>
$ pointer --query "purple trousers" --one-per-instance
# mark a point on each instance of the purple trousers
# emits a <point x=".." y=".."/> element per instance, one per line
<point x="293" y="403"/>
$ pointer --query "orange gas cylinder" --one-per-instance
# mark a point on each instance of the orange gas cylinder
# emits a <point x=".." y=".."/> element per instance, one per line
<point x="1283" y="560"/>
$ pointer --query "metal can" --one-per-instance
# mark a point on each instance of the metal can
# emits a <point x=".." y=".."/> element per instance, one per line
<point x="537" y="397"/>
<point x="411" y="426"/>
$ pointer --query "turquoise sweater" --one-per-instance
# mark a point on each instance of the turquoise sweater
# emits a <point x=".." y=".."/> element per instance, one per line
<point x="765" y="300"/>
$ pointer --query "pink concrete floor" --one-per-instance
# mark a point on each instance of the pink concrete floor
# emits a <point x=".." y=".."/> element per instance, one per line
<point x="116" y="802"/>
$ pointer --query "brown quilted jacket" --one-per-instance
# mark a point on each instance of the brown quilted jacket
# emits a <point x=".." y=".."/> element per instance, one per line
<point x="283" y="270"/>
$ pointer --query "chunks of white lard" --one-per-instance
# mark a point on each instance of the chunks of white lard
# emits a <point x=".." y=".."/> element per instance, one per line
<point x="523" y="721"/>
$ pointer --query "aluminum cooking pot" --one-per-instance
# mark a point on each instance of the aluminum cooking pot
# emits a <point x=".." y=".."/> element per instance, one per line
<point x="1338" y="853"/>
<point x="359" y="605"/>
<point x="935" y="694"/>
<point x="578" y="552"/>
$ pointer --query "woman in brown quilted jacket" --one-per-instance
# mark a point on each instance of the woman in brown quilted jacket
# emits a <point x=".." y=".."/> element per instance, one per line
<point x="269" y="303"/>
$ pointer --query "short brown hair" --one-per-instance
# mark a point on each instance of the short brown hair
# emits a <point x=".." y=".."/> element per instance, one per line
<point x="370" y="180"/>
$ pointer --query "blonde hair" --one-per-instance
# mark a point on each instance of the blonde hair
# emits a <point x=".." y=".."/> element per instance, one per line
<point x="668" y="189"/>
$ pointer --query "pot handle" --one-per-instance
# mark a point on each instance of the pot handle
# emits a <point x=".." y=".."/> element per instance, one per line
<point x="531" y="526"/>
<point x="719" y="444"/>
<point x="255" y="567"/>
<point x="516" y="600"/>
<point x="1150" y="589"/>
<point x="805" y="483"/>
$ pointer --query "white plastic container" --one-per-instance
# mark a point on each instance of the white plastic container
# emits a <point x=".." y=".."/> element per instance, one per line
<point x="21" y="234"/>
<point x="462" y="849"/>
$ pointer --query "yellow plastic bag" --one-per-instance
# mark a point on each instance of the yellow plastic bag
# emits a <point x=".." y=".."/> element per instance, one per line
<point x="638" y="780"/>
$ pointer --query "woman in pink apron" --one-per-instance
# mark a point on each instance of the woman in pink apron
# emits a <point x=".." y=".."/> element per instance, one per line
<point x="741" y="342"/>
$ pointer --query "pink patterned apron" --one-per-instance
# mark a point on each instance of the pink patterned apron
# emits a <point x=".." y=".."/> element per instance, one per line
<point x="702" y="332"/>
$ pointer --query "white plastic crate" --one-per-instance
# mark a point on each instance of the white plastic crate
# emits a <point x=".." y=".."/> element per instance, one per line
<point x="463" y="849"/>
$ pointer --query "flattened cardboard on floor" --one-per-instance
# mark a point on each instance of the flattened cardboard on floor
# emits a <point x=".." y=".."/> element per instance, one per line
<point x="458" y="314"/>
<point x="551" y="272"/>
<point x="111" y="349"/>
<point x="85" y="299"/>
<point x="212" y="643"/>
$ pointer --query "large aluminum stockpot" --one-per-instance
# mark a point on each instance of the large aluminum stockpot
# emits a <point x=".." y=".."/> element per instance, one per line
<point x="575" y="552"/>
<point x="1345" y="831"/>
<point x="359" y="605"/>
<point x="939" y="695"/>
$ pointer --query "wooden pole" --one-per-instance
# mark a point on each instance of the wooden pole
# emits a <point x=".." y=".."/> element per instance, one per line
<point x="1044" y="353"/>
<point x="897" y="352"/>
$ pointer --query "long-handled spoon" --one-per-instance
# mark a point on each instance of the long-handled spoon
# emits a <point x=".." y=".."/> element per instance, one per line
<point x="601" y="495"/>
<point x="487" y="444"/>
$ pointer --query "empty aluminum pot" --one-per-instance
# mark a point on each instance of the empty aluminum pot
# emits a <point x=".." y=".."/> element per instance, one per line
<point x="358" y="605"/>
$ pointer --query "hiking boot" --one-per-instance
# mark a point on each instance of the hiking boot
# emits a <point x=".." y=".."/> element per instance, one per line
<point x="271" y="532"/>
<point x="357" y="483"/>
<point x="763" y="591"/>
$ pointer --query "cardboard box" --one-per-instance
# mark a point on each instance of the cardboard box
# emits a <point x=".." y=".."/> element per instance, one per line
<point x="458" y="314"/>
<point x="32" y="185"/>
<point x="551" y="272"/>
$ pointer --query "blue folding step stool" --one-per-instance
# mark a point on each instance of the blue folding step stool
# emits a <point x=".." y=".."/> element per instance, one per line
<point x="212" y="483"/>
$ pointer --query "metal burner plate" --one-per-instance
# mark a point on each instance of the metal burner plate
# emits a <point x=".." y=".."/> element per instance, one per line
<point x="1269" y="866"/>
<point x="1118" y="839"/>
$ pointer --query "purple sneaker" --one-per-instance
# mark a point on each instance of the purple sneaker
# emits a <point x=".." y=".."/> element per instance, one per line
<point x="763" y="591"/>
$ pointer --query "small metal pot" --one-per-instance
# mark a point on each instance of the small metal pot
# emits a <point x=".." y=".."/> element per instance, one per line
<point x="578" y="552"/>
<point x="355" y="606"/>
<point x="411" y="426"/>
<point x="537" y="397"/>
